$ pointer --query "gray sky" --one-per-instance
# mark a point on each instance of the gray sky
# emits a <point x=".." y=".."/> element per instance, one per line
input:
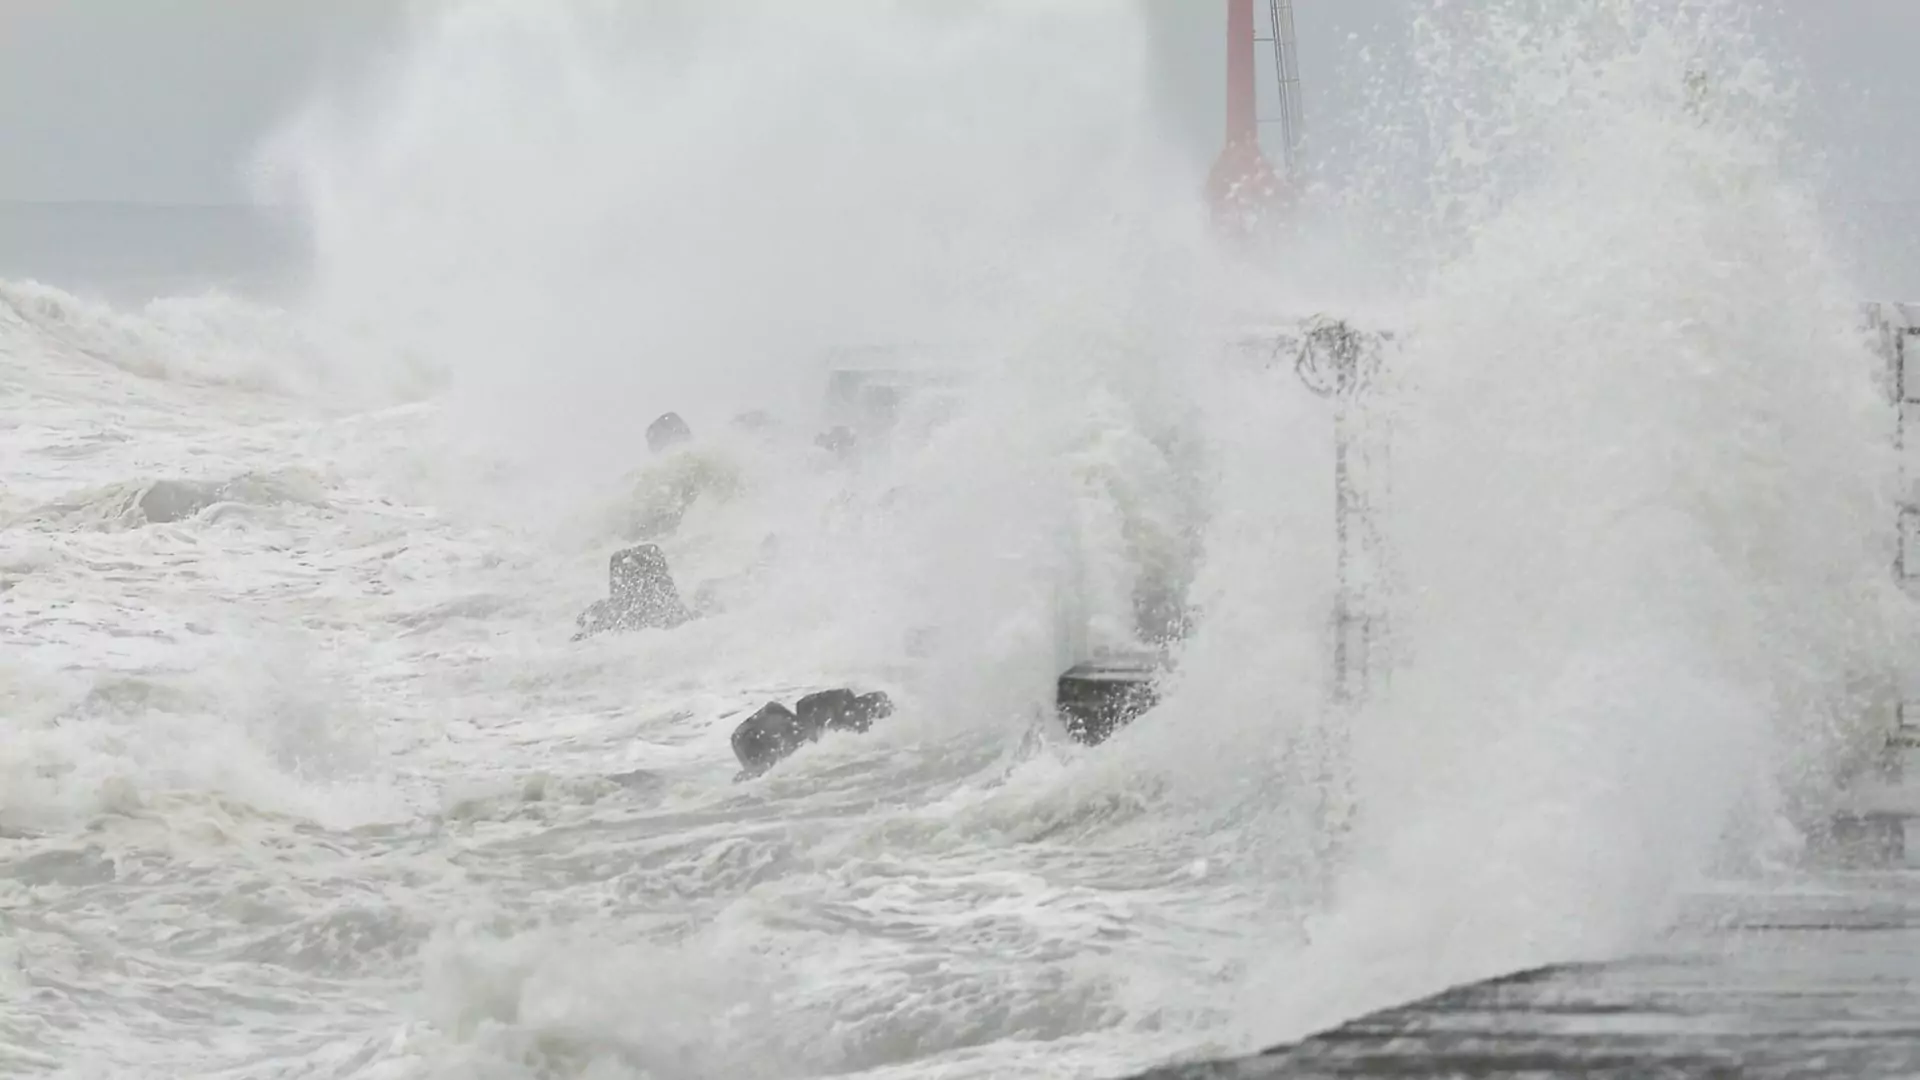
<point x="157" y="100"/>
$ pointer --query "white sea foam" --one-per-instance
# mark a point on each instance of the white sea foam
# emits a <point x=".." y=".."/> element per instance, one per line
<point x="309" y="779"/>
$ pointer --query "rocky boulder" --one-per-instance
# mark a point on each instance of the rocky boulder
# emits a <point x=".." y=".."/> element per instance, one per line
<point x="843" y="710"/>
<point x="641" y="595"/>
<point x="770" y="735"/>
<point x="767" y="737"/>
<point x="1099" y="697"/>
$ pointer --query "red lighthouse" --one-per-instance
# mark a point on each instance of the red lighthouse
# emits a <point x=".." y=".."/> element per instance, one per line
<point x="1243" y="186"/>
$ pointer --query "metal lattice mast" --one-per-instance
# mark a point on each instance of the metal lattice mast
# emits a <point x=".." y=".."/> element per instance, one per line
<point x="1286" y="73"/>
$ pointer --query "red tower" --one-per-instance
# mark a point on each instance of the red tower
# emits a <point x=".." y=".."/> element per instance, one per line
<point x="1243" y="186"/>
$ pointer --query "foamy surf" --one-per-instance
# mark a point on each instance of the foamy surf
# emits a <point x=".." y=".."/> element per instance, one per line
<point x="306" y="777"/>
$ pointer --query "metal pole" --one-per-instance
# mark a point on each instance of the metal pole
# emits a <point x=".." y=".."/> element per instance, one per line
<point x="1335" y="361"/>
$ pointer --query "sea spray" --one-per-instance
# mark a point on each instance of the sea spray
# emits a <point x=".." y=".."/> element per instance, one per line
<point x="1642" y="513"/>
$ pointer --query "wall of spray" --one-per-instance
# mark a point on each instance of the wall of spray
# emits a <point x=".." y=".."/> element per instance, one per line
<point x="1640" y="462"/>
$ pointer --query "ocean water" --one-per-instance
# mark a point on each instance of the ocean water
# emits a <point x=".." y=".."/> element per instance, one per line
<point x="315" y="783"/>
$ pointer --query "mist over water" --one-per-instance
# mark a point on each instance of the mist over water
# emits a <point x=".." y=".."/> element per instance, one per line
<point x="582" y="210"/>
<point x="1640" y="524"/>
<point x="584" y="216"/>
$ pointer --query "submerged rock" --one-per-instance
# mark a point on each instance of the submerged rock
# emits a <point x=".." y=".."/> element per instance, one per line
<point x="641" y="595"/>
<point x="167" y="501"/>
<point x="838" y="441"/>
<point x="663" y="490"/>
<point x="666" y="490"/>
<point x="133" y="505"/>
<point x="770" y="735"/>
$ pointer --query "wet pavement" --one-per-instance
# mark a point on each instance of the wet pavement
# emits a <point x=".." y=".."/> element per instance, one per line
<point x="1822" y="981"/>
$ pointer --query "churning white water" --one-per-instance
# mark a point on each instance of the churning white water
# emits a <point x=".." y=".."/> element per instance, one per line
<point x="313" y="782"/>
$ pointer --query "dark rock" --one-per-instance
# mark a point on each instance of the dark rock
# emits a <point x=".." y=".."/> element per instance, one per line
<point x="776" y="731"/>
<point x="638" y="576"/>
<point x="767" y="737"/>
<point x="842" y="710"/>
<point x="867" y="708"/>
<point x="1098" y="698"/>
<point x="641" y="595"/>
<point x="817" y="711"/>
<point x="667" y="432"/>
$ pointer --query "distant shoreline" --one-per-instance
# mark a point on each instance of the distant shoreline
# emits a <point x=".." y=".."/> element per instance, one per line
<point x="138" y="204"/>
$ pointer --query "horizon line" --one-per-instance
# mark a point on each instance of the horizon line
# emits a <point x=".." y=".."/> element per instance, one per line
<point x="151" y="204"/>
